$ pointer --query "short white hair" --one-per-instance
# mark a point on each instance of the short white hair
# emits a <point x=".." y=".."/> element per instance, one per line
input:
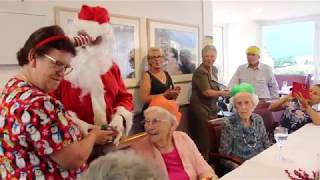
<point x="254" y="98"/>
<point x="160" y="111"/>
<point x="123" y="165"/>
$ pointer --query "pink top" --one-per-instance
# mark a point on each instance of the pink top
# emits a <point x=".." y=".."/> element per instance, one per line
<point x="192" y="161"/>
<point x="174" y="165"/>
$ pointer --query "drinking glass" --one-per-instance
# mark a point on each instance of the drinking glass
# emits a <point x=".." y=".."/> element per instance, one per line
<point x="281" y="135"/>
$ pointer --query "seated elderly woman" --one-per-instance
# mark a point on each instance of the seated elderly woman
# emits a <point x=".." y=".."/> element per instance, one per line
<point x="173" y="151"/>
<point x="244" y="134"/>
<point x="298" y="111"/>
<point x="123" y="165"/>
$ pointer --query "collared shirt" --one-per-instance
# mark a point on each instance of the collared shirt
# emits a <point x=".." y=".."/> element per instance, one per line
<point x="261" y="77"/>
<point x="243" y="142"/>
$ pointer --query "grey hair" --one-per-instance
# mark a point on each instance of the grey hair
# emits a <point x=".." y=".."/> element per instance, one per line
<point x="208" y="48"/>
<point x="254" y="98"/>
<point x="160" y="111"/>
<point x="123" y="165"/>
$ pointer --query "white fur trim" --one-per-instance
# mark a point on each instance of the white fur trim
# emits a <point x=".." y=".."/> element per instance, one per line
<point x="98" y="107"/>
<point x="158" y="109"/>
<point x="93" y="28"/>
<point x="128" y="116"/>
<point x="88" y="66"/>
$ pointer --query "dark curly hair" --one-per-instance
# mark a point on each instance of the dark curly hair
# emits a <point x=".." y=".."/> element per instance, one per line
<point x="40" y="35"/>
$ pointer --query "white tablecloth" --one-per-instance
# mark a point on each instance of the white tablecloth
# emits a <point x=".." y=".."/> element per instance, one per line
<point x="300" y="151"/>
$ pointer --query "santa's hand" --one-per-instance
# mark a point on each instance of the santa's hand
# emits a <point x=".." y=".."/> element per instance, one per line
<point x="82" y="125"/>
<point x="117" y="124"/>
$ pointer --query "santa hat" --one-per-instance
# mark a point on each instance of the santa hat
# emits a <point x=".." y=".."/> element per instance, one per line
<point x="93" y="20"/>
<point x="161" y="103"/>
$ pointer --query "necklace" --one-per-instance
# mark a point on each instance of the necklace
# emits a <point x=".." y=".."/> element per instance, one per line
<point x="252" y="146"/>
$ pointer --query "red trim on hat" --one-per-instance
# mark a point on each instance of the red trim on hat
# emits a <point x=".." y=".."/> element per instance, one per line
<point x="97" y="14"/>
<point x="50" y="39"/>
<point x="81" y="40"/>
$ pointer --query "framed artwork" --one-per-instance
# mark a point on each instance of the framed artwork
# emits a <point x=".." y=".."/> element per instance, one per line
<point x="180" y="44"/>
<point x="126" y="47"/>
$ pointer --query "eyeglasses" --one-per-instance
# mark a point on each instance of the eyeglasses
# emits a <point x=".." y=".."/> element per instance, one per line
<point x="155" y="57"/>
<point x="154" y="121"/>
<point x="65" y="68"/>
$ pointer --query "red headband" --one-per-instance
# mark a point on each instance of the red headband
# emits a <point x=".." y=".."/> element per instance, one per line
<point x="50" y="39"/>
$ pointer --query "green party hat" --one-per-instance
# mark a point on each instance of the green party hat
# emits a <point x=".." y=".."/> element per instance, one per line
<point x="243" y="87"/>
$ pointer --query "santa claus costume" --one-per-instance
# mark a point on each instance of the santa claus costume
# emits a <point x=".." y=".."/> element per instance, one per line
<point x="94" y="90"/>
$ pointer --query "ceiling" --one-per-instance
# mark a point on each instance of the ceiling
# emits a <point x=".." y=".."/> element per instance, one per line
<point x="239" y="11"/>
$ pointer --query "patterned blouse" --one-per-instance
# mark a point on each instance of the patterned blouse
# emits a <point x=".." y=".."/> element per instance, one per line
<point x="293" y="117"/>
<point x="33" y="125"/>
<point x="240" y="141"/>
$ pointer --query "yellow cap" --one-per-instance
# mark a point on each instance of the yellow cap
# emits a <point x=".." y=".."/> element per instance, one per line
<point x="253" y="50"/>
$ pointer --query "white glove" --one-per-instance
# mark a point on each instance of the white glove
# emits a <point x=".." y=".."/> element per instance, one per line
<point x="117" y="123"/>
<point x="82" y="125"/>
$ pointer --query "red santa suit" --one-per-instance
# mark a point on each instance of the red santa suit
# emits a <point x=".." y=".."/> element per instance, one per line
<point x="115" y="96"/>
<point x="94" y="90"/>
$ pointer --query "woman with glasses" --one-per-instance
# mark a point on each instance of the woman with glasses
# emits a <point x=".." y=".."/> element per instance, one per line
<point x="173" y="151"/>
<point x="38" y="138"/>
<point x="157" y="81"/>
<point x="244" y="134"/>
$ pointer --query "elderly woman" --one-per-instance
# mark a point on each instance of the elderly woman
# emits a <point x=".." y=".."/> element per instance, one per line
<point x="156" y="81"/>
<point x="173" y="151"/>
<point x="123" y="165"/>
<point x="244" y="134"/>
<point x="205" y="93"/>
<point x="298" y="111"/>
<point x="39" y="140"/>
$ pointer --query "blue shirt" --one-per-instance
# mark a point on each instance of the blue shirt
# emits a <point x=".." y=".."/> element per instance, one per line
<point x="243" y="142"/>
<point x="261" y="77"/>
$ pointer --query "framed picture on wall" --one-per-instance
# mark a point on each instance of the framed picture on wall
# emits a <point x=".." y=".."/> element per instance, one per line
<point x="180" y="44"/>
<point x="126" y="47"/>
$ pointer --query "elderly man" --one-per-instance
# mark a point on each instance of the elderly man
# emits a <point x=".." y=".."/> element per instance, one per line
<point x="244" y="134"/>
<point x="258" y="74"/>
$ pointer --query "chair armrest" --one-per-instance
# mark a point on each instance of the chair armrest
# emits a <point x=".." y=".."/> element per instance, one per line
<point x="233" y="159"/>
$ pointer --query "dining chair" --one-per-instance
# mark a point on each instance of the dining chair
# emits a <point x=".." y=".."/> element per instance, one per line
<point x="215" y="126"/>
<point x="268" y="118"/>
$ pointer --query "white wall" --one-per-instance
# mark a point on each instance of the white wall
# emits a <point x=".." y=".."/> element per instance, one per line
<point x="187" y="12"/>
<point x="238" y="36"/>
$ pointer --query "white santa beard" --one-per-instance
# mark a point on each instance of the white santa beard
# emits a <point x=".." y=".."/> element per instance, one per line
<point x="88" y="66"/>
